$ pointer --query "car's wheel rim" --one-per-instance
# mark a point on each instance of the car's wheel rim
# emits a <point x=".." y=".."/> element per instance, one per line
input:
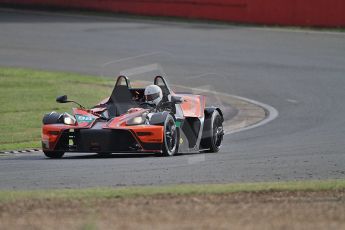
<point x="170" y="136"/>
<point x="218" y="131"/>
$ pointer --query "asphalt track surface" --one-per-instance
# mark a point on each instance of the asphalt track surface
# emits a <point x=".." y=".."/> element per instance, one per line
<point x="300" y="73"/>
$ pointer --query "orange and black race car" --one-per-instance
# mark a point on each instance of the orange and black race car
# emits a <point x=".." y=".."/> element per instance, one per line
<point x="125" y="123"/>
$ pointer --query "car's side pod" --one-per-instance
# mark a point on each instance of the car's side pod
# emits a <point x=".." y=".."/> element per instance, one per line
<point x="52" y="118"/>
<point x="207" y="132"/>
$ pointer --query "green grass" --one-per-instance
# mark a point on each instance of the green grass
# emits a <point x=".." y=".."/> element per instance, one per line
<point x="126" y="192"/>
<point x="26" y="95"/>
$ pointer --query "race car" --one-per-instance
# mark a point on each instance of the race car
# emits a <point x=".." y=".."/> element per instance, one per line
<point x="127" y="123"/>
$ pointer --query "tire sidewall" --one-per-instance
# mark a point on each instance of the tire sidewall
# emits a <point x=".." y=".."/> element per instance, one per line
<point x="214" y="147"/>
<point x="165" y="149"/>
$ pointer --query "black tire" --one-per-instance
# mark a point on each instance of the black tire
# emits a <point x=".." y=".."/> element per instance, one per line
<point x="170" y="142"/>
<point x="53" y="154"/>
<point x="52" y="118"/>
<point x="214" y="141"/>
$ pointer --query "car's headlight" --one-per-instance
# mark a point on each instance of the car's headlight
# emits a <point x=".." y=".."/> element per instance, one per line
<point x="68" y="119"/>
<point x="137" y="120"/>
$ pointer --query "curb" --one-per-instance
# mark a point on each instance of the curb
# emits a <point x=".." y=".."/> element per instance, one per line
<point x="20" y="151"/>
<point x="270" y="114"/>
<point x="251" y="113"/>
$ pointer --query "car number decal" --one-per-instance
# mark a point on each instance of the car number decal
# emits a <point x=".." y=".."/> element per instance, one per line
<point x="83" y="118"/>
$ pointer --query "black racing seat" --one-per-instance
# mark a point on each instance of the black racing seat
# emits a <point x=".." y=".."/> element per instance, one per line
<point x="120" y="101"/>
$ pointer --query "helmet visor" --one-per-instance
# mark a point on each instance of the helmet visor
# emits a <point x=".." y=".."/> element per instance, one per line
<point x="152" y="97"/>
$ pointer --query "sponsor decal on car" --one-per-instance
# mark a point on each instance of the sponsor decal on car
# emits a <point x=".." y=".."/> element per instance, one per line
<point x="83" y="118"/>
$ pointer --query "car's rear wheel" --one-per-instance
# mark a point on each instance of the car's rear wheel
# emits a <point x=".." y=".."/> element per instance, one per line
<point x="53" y="154"/>
<point x="52" y="118"/>
<point x="170" y="143"/>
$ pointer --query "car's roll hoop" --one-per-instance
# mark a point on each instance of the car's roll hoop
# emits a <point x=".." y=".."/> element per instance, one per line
<point x="123" y="80"/>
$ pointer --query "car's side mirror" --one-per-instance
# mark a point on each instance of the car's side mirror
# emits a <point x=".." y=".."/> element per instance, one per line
<point x="62" y="99"/>
<point x="176" y="99"/>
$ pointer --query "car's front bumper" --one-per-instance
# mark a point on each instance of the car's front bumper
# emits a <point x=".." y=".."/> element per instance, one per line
<point x="102" y="140"/>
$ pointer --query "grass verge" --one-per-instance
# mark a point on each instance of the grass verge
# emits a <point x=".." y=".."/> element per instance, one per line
<point x="26" y="95"/>
<point x="189" y="189"/>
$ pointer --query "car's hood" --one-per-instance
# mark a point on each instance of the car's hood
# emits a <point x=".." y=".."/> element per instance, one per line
<point x="87" y="119"/>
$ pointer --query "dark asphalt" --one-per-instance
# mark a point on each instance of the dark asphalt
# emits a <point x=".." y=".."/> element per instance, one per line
<point x="300" y="73"/>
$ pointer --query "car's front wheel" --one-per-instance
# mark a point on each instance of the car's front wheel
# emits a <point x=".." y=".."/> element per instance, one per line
<point x="170" y="143"/>
<point x="215" y="133"/>
<point x="53" y="154"/>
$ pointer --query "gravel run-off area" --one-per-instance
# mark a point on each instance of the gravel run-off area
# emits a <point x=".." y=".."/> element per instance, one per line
<point x="249" y="210"/>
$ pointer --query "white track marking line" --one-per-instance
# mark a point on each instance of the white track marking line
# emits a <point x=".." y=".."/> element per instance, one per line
<point x="292" y="101"/>
<point x="129" y="58"/>
<point x="272" y="113"/>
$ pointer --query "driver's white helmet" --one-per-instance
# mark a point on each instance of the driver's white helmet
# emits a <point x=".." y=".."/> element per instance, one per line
<point x="153" y="94"/>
